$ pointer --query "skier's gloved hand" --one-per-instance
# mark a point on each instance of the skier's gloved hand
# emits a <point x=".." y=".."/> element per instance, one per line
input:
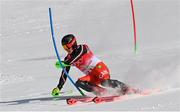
<point x="58" y="65"/>
<point x="55" y="92"/>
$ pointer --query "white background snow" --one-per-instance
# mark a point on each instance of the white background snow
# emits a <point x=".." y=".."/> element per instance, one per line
<point x="27" y="55"/>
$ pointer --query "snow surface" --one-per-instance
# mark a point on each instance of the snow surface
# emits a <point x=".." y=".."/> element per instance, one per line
<point x="27" y="55"/>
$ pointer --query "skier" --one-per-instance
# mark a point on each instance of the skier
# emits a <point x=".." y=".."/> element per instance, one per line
<point x="97" y="74"/>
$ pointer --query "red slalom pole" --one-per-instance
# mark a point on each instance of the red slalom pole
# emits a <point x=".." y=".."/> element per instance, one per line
<point x="134" y="25"/>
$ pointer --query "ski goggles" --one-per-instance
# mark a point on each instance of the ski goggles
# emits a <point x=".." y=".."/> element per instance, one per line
<point x="69" y="45"/>
<point x="65" y="47"/>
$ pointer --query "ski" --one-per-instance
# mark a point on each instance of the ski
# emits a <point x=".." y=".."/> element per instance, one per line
<point x="73" y="101"/>
<point x="97" y="99"/>
<point x="104" y="99"/>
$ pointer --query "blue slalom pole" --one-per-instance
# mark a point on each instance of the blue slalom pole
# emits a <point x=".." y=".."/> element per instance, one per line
<point x="57" y="54"/>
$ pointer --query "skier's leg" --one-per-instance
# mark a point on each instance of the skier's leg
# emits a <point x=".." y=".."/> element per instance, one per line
<point x="89" y="84"/>
<point x="85" y="85"/>
<point x="89" y="87"/>
<point x="115" y="84"/>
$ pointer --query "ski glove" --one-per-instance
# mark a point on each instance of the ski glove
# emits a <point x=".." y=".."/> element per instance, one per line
<point x="55" y="92"/>
<point x="58" y="65"/>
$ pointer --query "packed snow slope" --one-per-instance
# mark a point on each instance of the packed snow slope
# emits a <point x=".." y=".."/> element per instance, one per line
<point x="27" y="55"/>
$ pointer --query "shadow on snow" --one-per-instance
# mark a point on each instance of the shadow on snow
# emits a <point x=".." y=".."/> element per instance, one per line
<point x="41" y="99"/>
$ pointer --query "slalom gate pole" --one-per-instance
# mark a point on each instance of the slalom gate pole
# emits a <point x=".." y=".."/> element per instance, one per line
<point x="57" y="54"/>
<point x="134" y="25"/>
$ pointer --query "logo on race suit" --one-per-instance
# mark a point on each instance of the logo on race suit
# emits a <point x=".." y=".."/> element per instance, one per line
<point x="104" y="72"/>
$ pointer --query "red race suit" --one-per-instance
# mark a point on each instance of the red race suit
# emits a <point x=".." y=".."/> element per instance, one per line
<point x="94" y="69"/>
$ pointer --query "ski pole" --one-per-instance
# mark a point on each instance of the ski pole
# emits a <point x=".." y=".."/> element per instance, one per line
<point x="57" y="54"/>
